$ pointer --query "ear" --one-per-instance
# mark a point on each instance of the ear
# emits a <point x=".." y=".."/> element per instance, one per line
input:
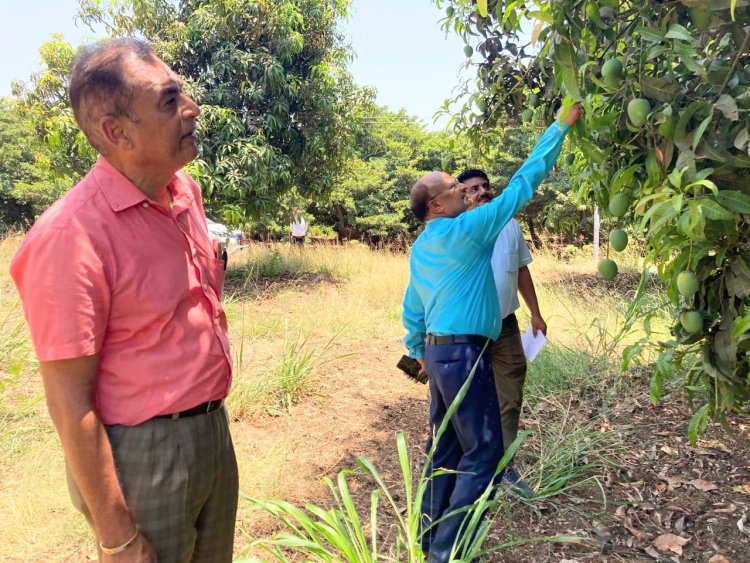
<point x="435" y="207"/>
<point x="113" y="131"/>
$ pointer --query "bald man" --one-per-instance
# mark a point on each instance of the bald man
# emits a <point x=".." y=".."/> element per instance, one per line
<point x="451" y="314"/>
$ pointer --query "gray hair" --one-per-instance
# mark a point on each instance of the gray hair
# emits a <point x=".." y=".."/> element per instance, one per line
<point x="98" y="85"/>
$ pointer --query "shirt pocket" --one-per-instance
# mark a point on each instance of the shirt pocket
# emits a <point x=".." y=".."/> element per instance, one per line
<point x="213" y="270"/>
<point x="508" y="261"/>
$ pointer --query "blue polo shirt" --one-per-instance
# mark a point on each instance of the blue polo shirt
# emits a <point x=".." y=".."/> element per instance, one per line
<point x="451" y="289"/>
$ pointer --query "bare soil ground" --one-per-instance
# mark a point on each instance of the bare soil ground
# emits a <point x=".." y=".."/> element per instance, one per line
<point x="666" y="501"/>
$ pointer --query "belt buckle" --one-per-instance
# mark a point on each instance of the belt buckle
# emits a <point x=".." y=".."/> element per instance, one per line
<point x="175" y="416"/>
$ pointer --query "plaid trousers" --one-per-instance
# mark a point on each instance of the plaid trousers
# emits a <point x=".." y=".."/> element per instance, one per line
<point x="180" y="481"/>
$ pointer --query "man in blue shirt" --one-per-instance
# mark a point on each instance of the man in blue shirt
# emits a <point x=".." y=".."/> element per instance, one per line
<point x="450" y="313"/>
<point x="510" y="259"/>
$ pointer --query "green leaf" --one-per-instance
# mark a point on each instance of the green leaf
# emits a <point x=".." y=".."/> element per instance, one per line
<point x="629" y="354"/>
<point x="676" y="31"/>
<point x="713" y="211"/>
<point x="688" y="57"/>
<point x="675" y="177"/>
<point x="659" y="214"/>
<point x="482" y="8"/>
<point x="692" y="222"/>
<point x="736" y="201"/>
<point x="740" y="326"/>
<point x="650" y="34"/>
<point x="658" y="89"/>
<point x="697" y="425"/>
<point x="693" y="186"/>
<point x="702" y="128"/>
<point x="566" y="59"/>
<point x="680" y="131"/>
<point x="656" y="387"/>
<point x="541" y="15"/>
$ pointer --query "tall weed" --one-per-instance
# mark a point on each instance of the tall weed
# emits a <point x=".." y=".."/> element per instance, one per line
<point x="291" y="376"/>
<point x="341" y="533"/>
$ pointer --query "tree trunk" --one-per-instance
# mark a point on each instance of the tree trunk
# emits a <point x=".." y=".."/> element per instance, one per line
<point x="341" y="226"/>
<point x="536" y="242"/>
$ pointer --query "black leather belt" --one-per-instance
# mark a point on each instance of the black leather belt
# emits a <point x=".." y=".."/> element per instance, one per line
<point x="203" y="408"/>
<point x="456" y="339"/>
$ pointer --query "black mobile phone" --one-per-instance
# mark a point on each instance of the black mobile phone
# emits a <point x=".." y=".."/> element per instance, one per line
<point x="412" y="368"/>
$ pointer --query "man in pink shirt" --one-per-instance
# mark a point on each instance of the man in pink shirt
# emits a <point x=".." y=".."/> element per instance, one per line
<point x="121" y="288"/>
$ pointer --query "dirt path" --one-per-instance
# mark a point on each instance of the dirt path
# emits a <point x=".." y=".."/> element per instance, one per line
<point x="666" y="501"/>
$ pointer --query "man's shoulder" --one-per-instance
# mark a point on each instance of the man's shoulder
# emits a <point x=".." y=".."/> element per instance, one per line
<point x="511" y="233"/>
<point x="510" y="239"/>
<point x="77" y="203"/>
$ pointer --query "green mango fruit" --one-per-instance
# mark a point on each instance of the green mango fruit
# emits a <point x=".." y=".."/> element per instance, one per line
<point x="607" y="269"/>
<point x="612" y="68"/>
<point x="468" y="50"/>
<point x="687" y="283"/>
<point x="527" y="115"/>
<point x="638" y="110"/>
<point x="691" y="321"/>
<point x="570" y="158"/>
<point x="618" y="239"/>
<point x="619" y="205"/>
<point x="533" y="99"/>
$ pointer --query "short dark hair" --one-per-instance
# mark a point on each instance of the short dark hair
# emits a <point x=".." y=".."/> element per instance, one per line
<point x="419" y="200"/>
<point x="98" y="85"/>
<point x="472" y="173"/>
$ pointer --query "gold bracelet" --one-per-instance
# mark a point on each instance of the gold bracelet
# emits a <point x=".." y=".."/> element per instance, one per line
<point x="120" y="548"/>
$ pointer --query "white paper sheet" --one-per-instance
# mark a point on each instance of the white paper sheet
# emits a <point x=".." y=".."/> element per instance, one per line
<point x="532" y="344"/>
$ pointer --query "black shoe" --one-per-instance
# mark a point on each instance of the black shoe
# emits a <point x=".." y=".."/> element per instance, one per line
<point x="516" y="484"/>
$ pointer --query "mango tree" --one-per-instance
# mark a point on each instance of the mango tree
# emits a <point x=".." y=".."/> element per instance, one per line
<point x="664" y="146"/>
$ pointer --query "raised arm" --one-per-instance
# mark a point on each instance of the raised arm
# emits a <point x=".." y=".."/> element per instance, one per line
<point x="486" y="222"/>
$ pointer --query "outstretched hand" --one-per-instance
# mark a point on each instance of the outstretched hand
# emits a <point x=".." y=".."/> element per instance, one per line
<point x="574" y="113"/>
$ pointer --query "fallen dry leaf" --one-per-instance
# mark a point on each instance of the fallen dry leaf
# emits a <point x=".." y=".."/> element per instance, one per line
<point x="741" y="525"/>
<point x="718" y="559"/>
<point x="702" y="485"/>
<point x="744" y="489"/>
<point x="673" y="482"/>
<point x="635" y="532"/>
<point x="723" y="508"/>
<point x="670" y="542"/>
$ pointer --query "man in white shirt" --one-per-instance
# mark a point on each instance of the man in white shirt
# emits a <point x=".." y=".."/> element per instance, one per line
<point x="298" y="228"/>
<point x="510" y="259"/>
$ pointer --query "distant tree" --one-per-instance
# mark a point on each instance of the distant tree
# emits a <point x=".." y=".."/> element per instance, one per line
<point x="44" y="105"/>
<point x="18" y="168"/>
<point x="392" y="150"/>
<point x="271" y="80"/>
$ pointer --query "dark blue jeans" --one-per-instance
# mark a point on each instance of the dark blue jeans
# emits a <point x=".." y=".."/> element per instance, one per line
<point x="472" y="444"/>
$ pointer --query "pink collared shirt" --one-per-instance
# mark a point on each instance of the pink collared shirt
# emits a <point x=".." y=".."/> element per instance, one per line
<point x="106" y="270"/>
